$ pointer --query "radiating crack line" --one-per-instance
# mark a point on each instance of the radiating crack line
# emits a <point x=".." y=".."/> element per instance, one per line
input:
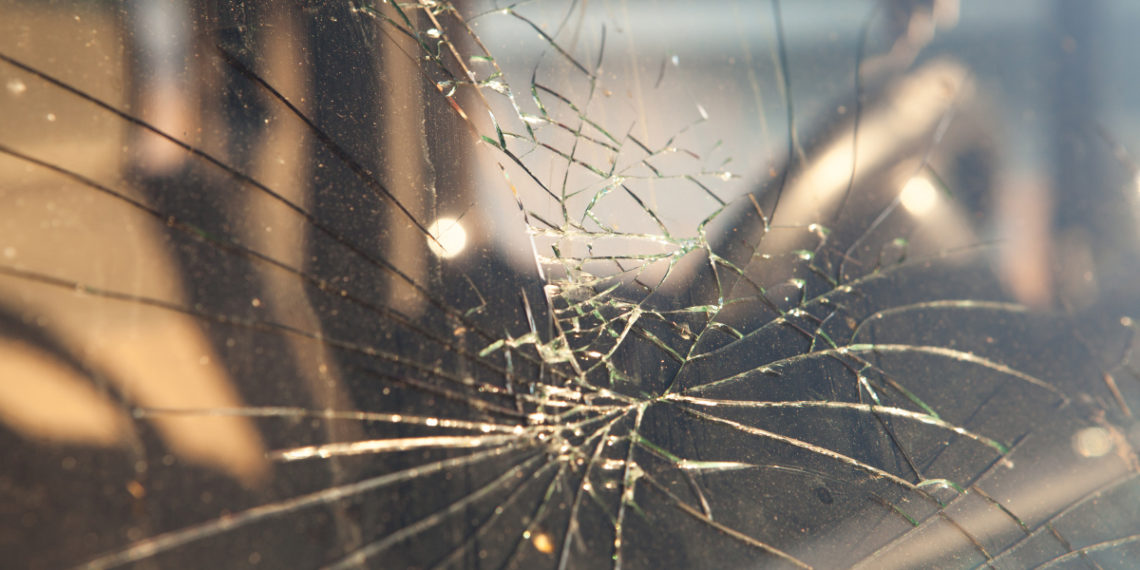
<point x="1085" y="550"/>
<point x="152" y="546"/>
<point x="956" y="355"/>
<point x="866" y="408"/>
<point x="727" y="530"/>
<point x="361" y="555"/>
<point x="794" y="442"/>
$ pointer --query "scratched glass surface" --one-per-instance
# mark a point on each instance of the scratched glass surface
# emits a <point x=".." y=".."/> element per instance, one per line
<point x="629" y="284"/>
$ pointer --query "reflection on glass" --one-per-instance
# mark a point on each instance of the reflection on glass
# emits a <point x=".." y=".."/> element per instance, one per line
<point x="919" y="196"/>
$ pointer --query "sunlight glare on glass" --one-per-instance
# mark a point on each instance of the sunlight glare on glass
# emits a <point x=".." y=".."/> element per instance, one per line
<point x="1093" y="442"/>
<point x="450" y="237"/>
<point x="919" y="196"/>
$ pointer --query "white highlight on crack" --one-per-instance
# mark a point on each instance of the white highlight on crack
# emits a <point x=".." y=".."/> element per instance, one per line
<point x="373" y="446"/>
<point x="448" y="238"/>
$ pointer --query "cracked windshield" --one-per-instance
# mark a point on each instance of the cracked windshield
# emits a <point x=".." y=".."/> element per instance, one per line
<point x="555" y="284"/>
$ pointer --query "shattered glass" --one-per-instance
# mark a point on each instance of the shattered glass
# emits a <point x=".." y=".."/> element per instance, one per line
<point x="547" y="284"/>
